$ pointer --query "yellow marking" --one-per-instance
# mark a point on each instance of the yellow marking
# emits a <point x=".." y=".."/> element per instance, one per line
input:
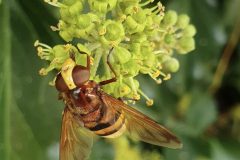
<point x="66" y="72"/>
<point x="118" y="133"/>
<point x="111" y="128"/>
<point x="91" y="60"/>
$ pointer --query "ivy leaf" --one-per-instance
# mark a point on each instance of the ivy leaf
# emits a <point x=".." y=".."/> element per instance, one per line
<point x="201" y="113"/>
<point x="219" y="152"/>
<point x="5" y="79"/>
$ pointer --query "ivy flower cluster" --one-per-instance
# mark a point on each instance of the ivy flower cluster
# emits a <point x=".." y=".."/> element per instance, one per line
<point x="144" y="41"/>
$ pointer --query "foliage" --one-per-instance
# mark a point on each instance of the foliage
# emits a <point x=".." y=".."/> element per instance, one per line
<point x="207" y="122"/>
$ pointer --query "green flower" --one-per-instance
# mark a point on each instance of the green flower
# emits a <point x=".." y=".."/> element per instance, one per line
<point x="111" y="33"/>
<point x="144" y="41"/>
<point x="71" y="10"/>
<point x="102" y="6"/>
<point x="136" y="22"/>
<point x="121" y="55"/>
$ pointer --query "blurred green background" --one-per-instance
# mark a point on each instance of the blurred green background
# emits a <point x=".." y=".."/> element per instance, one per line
<point x="201" y="106"/>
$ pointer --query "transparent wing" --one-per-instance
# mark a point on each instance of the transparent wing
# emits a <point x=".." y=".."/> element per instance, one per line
<point x="141" y="126"/>
<point x="76" y="141"/>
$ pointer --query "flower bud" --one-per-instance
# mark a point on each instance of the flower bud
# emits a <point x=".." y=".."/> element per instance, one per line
<point x="183" y="21"/>
<point x="76" y="8"/>
<point x="139" y="38"/>
<point x="189" y="31"/>
<point x="111" y="33"/>
<point x="185" y="45"/>
<point x="121" y="55"/>
<point x="83" y="21"/>
<point x="163" y="57"/>
<point x="157" y="19"/>
<point x="64" y="13"/>
<point x="170" y="19"/>
<point x="171" y="65"/>
<point x="149" y="58"/>
<point x="66" y="35"/>
<point x="102" y="6"/>
<point x="60" y="51"/>
<point x="136" y="22"/>
<point x="149" y="22"/>
<point x="130" y="69"/>
<point x="132" y="26"/>
<point x="135" y="48"/>
<point x="126" y="7"/>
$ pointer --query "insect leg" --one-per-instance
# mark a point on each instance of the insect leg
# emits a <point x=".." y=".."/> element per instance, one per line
<point x="114" y="79"/>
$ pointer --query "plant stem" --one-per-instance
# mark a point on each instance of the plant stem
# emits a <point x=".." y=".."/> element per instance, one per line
<point x="225" y="59"/>
<point x="5" y="79"/>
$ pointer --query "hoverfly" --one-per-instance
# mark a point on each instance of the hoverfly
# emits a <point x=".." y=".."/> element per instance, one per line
<point x="89" y="109"/>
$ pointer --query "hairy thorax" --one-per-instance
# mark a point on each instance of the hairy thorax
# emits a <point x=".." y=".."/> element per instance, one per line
<point x="84" y="102"/>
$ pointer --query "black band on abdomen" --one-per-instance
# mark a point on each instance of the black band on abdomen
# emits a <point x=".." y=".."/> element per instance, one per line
<point x="106" y="125"/>
<point x="114" y="130"/>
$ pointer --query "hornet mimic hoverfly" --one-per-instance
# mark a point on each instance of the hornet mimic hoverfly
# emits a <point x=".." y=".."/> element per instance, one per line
<point x="89" y="109"/>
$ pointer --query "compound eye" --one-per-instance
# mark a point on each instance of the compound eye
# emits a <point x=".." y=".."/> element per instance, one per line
<point x="60" y="84"/>
<point x="80" y="75"/>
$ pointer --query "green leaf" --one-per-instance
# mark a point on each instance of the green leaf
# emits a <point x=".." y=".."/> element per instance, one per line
<point x="5" y="79"/>
<point x="201" y="113"/>
<point x="36" y="106"/>
<point x="33" y="111"/>
<point x="23" y="139"/>
<point x="219" y="152"/>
